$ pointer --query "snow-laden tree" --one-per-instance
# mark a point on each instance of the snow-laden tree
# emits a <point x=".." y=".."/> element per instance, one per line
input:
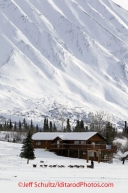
<point x="27" y="150"/>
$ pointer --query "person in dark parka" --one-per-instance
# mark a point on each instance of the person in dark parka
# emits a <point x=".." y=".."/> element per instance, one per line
<point x="123" y="159"/>
<point x="92" y="163"/>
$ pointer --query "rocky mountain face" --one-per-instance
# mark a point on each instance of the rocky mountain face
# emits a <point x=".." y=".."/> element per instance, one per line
<point x="63" y="58"/>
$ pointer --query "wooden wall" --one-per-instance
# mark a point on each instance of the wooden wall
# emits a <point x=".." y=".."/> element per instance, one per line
<point x="97" y="139"/>
<point x="44" y="144"/>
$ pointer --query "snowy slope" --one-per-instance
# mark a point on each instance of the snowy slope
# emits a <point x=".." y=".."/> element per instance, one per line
<point x="66" y="55"/>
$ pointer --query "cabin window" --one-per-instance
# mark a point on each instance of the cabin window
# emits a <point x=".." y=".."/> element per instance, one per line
<point x="108" y="146"/>
<point x="83" y="142"/>
<point x="58" y="142"/>
<point x="38" y="142"/>
<point x="91" y="154"/>
<point x="98" y="142"/>
<point x="89" y="142"/>
<point x="76" y="142"/>
<point x="97" y="154"/>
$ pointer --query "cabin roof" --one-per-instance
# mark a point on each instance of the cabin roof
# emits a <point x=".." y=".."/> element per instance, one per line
<point x="63" y="136"/>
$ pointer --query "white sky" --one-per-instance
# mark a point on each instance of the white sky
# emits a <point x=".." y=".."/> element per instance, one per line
<point x="122" y="3"/>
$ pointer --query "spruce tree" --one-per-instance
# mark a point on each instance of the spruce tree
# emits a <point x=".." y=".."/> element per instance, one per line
<point x="24" y="121"/>
<point x="37" y="128"/>
<point x="68" y="126"/>
<point x="15" y="127"/>
<point x="50" y="127"/>
<point x="27" y="150"/>
<point x="10" y="126"/>
<point x="77" y="127"/>
<point x="20" y="126"/>
<point x="7" y="126"/>
<point x="126" y="128"/>
<point x="82" y="126"/>
<point x="32" y="127"/>
<point x="1" y="127"/>
<point x="25" y="125"/>
<point x="86" y="129"/>
<point x="109" y="133"/>
<point x="46" y="127"/>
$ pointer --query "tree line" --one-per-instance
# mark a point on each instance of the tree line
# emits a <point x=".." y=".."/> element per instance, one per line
<point x="96" y="123"/>
<point x="24" y="126"/>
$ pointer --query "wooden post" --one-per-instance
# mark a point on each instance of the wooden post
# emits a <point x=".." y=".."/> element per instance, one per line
<point x="87" y="156"/>
<point x="78" y="153"/>
<point x="68" y="152"/>
<point x="98" y="156"/>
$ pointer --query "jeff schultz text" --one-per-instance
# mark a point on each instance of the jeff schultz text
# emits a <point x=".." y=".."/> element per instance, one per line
<point x="64" y="184"/>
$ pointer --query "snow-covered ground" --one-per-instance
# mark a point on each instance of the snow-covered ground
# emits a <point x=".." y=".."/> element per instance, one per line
<point x="14" y="173"/>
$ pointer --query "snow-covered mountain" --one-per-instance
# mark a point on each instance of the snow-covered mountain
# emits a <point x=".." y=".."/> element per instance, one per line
<point x="63" y="56"/>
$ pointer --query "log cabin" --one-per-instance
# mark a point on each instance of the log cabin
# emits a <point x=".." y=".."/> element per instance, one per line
<point x="84" y="145"/>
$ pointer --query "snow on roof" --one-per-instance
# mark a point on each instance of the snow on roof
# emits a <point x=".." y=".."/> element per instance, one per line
<point x="64" y="136"/>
